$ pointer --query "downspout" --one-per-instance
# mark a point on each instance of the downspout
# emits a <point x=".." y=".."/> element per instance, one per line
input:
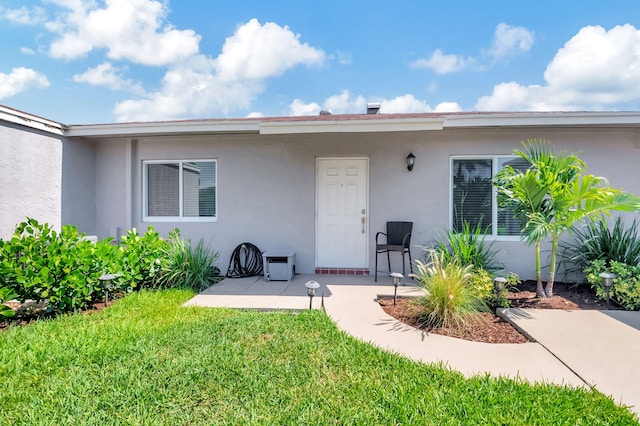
<point x="128" y="179"/>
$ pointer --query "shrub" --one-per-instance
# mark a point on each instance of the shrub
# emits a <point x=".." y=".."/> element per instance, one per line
<point x="187" y="266"/>
<point x="594" y="240"/>
<point x="38" y="263"/>
<point x="450" y="295"/>
<point x="469" y="247"/>
<point x="626" y="286"/>
<point x="138" y="262"/>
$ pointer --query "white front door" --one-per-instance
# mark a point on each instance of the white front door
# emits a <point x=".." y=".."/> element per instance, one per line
<point x="342" y="212"/>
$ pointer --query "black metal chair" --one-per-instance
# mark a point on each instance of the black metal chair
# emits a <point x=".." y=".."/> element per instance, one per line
<point x="398" y="240"/>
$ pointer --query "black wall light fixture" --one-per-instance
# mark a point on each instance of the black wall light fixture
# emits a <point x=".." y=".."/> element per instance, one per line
<point x="411" y="159"/>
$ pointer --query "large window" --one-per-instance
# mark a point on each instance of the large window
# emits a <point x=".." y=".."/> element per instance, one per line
<point x="180" y="190"/>
<point x="473" y="197"/>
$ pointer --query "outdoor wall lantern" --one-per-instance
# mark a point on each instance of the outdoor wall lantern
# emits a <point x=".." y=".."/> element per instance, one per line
<point x="607" y="282"/>
<point x="411" y="159"/>
<point x="499" y="283"/>
<point x="106" y="284"/>
<point x="311" y="286"/>
<point x="396" y="277"/>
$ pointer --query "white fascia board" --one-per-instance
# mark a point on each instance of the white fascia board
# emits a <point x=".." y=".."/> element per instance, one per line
<point x="350" y="126"/>
<point x="32" y="121"/>
<point x="561" y="119"/>
<point x="163" y="128"/>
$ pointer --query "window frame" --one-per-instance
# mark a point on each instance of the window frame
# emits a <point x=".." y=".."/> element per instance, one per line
<point x="494" y="192"/>
<point x="180" y="217"/>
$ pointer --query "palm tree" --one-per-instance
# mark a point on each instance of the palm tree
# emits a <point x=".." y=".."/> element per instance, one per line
<point x="523" y="194"/>
<point x="554" y="194"/>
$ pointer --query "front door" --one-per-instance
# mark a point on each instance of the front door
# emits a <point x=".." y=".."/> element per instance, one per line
<point x="342" y="213"/>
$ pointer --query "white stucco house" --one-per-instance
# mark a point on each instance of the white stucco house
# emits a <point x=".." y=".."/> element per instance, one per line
<point x="321" y="186"/>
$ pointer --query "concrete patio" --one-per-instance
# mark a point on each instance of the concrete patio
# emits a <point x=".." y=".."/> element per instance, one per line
<point x="575" y="348"/>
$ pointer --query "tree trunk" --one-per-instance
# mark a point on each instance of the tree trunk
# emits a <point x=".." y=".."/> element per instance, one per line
<point x="539" y="288"/>
<point x="552" y="266"/>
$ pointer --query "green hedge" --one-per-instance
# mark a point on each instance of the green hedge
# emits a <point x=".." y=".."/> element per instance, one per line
<point x="64" y="268"/>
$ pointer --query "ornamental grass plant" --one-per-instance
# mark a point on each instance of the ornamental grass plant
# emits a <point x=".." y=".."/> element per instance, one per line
<point x="450" y="297"/>
<point x="186" y="265"/>
<point x="469" y="247"/>
<point x="596" y="240"/>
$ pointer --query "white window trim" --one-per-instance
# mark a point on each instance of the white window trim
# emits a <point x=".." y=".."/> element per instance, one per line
<point x="494" y="193"/>
<point x="180" y="218"/>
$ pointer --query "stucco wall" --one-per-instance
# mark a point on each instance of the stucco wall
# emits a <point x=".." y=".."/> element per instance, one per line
<point x="78" y="185"/>
<point x="266" y="184"/>
<point x="30" y="177"/>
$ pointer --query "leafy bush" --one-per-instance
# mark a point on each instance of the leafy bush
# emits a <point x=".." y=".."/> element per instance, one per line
<point x="6" y="294"/>
<point x="450" y="297"/>
<point x="138" y="262"/>
<point x="594" y="240"/>
<point x="188" y="266"/>
<point x="469" y="247"/>
<point x="38" y="263"/>
<point x="626" y="286"/>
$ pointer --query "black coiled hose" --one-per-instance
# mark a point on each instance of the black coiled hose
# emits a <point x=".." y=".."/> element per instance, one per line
<point x="246" y="261"/>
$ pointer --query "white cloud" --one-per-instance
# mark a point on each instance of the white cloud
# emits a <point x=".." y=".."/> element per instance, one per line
<point x="342" y="103"/>
<point x="595" y="69"/>
<point x="23" y="15"/>
<point x="258" y="51"/>
<point x="508" y="40"/>
<point x="298" y="108"/>
<point x="20" y="80"/>
<point x="27" y="51"/>
<point x="127" y="29"/>
<point x="403" y="104"/>
<point x="201" y="86"/>
<point x="345" y="103"/>
<point x="444" y="64"/>
<point x="108" y="76"/>
<point x="448" y="107"/>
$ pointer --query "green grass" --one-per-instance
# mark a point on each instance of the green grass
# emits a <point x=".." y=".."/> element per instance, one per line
<point x="147" y="361"/>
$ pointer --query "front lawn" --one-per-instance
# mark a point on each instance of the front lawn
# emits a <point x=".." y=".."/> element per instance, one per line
<point x="146" y="360"/>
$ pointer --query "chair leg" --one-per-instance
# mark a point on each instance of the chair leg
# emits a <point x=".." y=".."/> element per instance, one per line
<point x="376" y="279"/>
<point x="404" y="272"/>
<point x="410" y="261"/>
<point x="388" y="261"/>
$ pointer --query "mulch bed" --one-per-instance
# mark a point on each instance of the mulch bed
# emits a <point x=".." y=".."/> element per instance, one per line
<point x="489" y="328"/>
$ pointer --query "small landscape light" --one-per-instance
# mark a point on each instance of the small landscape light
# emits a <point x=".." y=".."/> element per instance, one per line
<point x="607" y="282"/>
<point x="311" y="286"/>
<point x="396" y="277"/>
<point x="106" y="284"/>
<point x="499" y="283"/>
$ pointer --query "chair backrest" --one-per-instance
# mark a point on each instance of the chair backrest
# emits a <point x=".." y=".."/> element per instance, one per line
<point x="396" y="232"/>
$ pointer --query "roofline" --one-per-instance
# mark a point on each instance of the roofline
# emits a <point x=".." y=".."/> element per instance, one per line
<point x="537" y="119"/>
<point x="352" y="123"/>
<point x="164" y="128"/>
<point x="33" y="121"/>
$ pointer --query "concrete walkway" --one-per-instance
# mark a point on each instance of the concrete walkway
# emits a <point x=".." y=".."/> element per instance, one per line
<point x="575" y="348"/>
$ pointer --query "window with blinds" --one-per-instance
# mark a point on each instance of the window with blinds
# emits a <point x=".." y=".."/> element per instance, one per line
<point x="474" y="199"/>
<point x="180" y="190"/>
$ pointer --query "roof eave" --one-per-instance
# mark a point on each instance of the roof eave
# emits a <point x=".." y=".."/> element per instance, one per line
<point x="32" y="121"/>
<point x="350" y="126"/>
<point x="163" y="128"/>
<point x="560" y="119"/>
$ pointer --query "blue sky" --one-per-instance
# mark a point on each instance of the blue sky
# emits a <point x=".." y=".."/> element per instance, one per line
<point x="102" y="61"/>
